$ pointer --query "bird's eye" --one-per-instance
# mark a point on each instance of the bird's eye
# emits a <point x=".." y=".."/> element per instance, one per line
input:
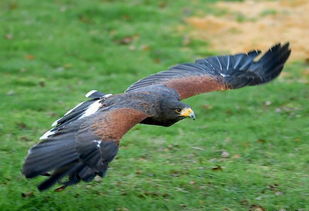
<point x="178" y="110"/>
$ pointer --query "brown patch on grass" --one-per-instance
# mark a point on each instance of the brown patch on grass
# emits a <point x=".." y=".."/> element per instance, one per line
<point x="256" y="25"/>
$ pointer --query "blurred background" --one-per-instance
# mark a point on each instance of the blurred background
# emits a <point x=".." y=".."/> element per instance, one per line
<point x="248" y="148"/>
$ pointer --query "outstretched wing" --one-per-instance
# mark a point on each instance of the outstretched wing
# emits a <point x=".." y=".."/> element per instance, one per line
<point x="81" y="149"/>
<point x="219" y="72"/>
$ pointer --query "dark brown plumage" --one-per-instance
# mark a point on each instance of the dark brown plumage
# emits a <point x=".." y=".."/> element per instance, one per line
<point x="86" y="139"/>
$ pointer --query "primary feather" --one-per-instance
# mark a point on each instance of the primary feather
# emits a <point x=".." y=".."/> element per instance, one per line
<point x="232" y="71"/>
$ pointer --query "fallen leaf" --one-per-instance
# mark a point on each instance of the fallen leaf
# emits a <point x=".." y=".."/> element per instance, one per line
<point x="67" y="66"/>
<point x="225" y="154"/>
<point x="229" y="111"/>
<point x="278" y="110"/>
<point x="8" y="36"/>
<point x="63" y="9"/>
<point x="263" y="141"/>
<point x="42" y="83"/>
<point x="255" y="207"/>
<point x="153" y="194"/>
<point x="145" y="47"/>
<point x="198" y="148"/>
<point x="217" y="168"/>
<point x="60" y="189"/>
<point x="227" y="140"/>
<point x="162" y="4"/>
<point x="13" y="6"/>
<point x="27" y="194"/>
<point x="23" y="70"/>
<point x="273" y="186"/>
<point x="98" y="179"/>
<point x="85" y="19"/>
<point x="157" y="60"/>
<point x="207" y="107"/>
<point x="30" y="57"/>
<point x="122" y="209"/>
<point x="21" y="125"/>
<point x="259" y="198"/>
<point x="126" y="17"/>
<point x="236" y="156"/>
<point x="181" y="190"/>
<point x="297" y="139"/>
<point x="24" y="138"/>
<point x="244" y="202"/>
<point x="123" y="193"/>
<point x="278" y="193"/>
<point x="125" y="40"/>
<point x="132" y="47"/>
<point x="10" y="93"/>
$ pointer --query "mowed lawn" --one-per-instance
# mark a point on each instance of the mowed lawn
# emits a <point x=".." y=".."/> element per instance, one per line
<point x="247" y="150"/>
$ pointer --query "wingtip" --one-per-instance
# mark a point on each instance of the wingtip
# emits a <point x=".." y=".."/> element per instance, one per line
<point x="272" y="62"/>
<point x="284" y="46"/>
<point x="287" y="47"/>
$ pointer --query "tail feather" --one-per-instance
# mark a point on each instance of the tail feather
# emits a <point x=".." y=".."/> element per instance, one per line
<point x="49" y="155"/>
<point x="64" y="156"/>
<point x="82" y="173"/>
<point x="75" y="171"/>
<point x="87" y="174"/>
<point x="58" y="175"/>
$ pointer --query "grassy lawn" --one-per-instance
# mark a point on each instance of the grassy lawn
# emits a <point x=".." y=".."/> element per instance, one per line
<point x="247" y="150"/>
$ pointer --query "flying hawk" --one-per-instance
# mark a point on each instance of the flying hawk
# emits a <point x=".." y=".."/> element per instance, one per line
<point x="85" y="140"/>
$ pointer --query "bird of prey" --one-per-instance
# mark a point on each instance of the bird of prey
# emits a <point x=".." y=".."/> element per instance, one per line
<point x="85" y="140"/>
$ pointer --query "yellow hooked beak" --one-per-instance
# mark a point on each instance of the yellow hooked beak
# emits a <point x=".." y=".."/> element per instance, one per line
<point x="187" y="112"/>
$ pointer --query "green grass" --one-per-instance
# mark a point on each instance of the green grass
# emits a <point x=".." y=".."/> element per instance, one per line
<point x="53" y="52"/>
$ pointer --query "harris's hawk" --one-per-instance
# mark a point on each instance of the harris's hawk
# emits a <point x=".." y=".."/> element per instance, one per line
<point x="85" y="140"/>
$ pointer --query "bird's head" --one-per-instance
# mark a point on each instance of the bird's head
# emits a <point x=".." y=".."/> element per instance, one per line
<point x="176" y="110"/>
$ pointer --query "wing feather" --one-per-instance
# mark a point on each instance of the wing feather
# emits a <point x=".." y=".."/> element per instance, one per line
<point x="81" y="149"/>
<point x="220" y="72"/>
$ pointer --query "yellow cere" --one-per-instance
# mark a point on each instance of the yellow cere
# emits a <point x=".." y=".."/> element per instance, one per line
<point x="186" y="112"/>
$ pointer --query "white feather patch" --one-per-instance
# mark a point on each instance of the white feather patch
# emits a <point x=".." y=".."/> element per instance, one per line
<point x="98" y="142"/>
<point x="29" y="151"/>
<point x="55" y="123"/>
<point x="90" y="93"/>
<point x="47" y="134"/>
<point x="107" y="95"/>
<point x="92" y="109"/>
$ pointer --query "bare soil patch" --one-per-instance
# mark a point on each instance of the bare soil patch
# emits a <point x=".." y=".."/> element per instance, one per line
<point x="256" y="25"/>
